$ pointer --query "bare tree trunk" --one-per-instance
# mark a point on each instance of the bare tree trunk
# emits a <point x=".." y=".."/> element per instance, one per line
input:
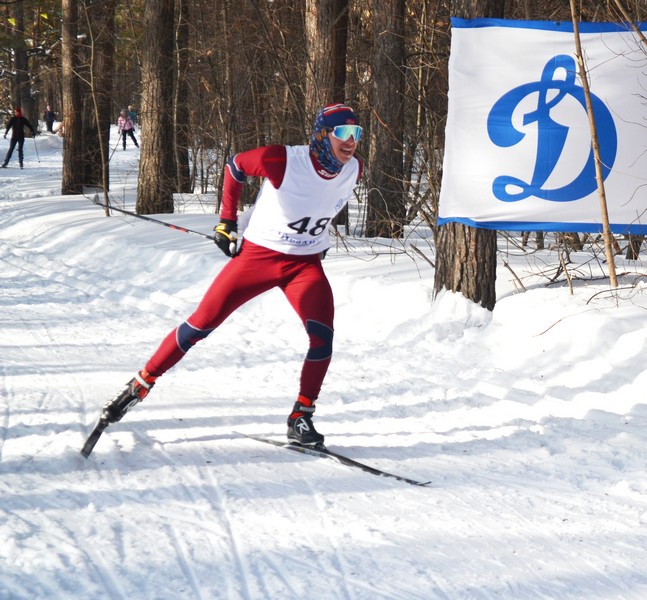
<point x="319" y="74"/>
<point x="339" y="49"/>
<point x="326" y="33"/>
<point x="157" y="176"/>
<point x="466" y="262"/>
<point x="326" y="24"/>
<point x="386" y="208"/>
<point x="466" y="256"/>
<point x="22" y="88"/>
<point x="633" y="249"/>
<point x="99" y="20"/>
<point x="72" y="180"/>
<point x="472" y="9"/>
<point x="181" y="116"/>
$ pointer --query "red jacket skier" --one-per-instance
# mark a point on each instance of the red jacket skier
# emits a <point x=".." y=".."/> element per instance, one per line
<point x="17" y="124"/>
<point x="304" y="188"/>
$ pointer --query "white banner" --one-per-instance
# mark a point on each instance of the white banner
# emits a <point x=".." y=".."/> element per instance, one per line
<point x="518" y="151"/>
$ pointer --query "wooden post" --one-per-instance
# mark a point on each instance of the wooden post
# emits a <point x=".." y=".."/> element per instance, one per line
<point x="608" y="238"/>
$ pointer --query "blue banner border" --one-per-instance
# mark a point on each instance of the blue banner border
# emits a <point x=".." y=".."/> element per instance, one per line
<point x="616" y="228"/>
<point x="563" y="26"/>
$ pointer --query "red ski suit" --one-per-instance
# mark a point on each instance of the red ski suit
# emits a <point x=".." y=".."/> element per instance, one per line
<point x="292" y="261"/>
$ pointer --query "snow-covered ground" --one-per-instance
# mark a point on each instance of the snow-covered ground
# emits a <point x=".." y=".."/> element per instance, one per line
<point x="531" y="421"/>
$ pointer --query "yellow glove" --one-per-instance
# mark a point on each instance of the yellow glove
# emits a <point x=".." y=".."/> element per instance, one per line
<point x="226" y="237"/>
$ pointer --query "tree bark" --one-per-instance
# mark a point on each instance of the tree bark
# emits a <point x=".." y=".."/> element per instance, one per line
<point x="157" y="175"/>
<point x="181" y="116"/>
<point x="633" y="248"/>
<point x="326" y="24"/>
<point x="22" y="84"/>
<point x="466" y="256"/>
<point x="326" y="34"/>
<point x="466" y="262"/>
<point x="100" y="21"/>
<point x="386" y="208"/>
<point x="72" y="179"/>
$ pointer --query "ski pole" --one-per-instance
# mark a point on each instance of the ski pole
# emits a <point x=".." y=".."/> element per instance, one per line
<point x="113" y="150"/>
<point x="152" y="220"/>
<point x="36" y="148"/>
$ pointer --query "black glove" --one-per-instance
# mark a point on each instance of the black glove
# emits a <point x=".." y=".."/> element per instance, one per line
<point x="226" y="237"/>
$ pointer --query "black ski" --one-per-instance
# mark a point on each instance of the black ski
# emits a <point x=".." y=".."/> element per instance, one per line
<point x="322" y="452"/>
<point x="94" y="436"/>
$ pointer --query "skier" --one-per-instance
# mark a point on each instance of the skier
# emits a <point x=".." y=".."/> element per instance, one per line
<point x="49" y="116"/>
<point x="284" y="242"/>
<point x="125" y="127"/>
<point x="132" y="115"/>
<point x="17" y="124"/>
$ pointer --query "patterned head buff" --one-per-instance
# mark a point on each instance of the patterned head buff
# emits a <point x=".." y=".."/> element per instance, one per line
<point x="329" y="117"/>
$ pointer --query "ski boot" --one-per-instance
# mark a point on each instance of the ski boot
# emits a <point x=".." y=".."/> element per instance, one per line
<point x="300" y="428"/>
<point x="135" y="391"/>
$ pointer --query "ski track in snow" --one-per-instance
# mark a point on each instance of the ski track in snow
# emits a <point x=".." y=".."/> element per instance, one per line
<point x="531" y="423"/>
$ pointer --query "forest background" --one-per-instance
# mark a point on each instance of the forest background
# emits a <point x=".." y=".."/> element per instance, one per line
<point x="211" y="78"/>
